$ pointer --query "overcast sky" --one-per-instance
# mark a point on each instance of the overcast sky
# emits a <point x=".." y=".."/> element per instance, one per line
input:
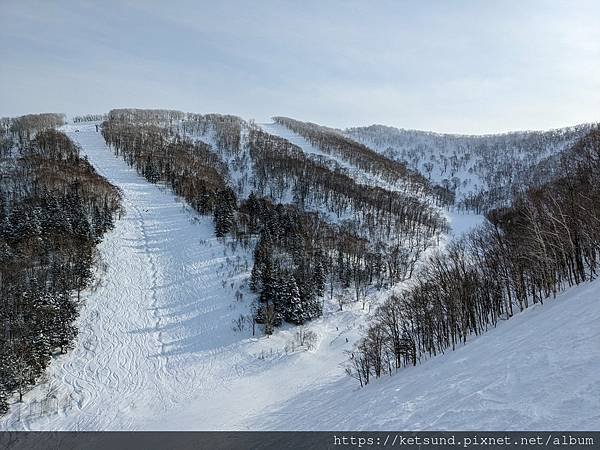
<point x="451" y="66"/>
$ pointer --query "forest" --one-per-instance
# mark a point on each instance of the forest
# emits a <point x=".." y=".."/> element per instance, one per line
<point x="89" y="118"/>
<point x="480" y="171"/>
<point x="314" y="230"/>
<point x="546" y="241"/>
<point x="54" y="210"/>
<point x="393" y="221"/>
<point x="264" y="192"/>
<point x="332" y="142"/>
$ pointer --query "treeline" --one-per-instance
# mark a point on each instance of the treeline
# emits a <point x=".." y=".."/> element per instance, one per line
<point x="90" y="118"/>
<point x="547" y="241"/>
<point x="481" y="171"/>
<point x="24" y="127"/>
<point x="54" y="210"/>
<point x="335" y="143"/>
<point x="226" y="130"/>
<point x="145" y="116"/>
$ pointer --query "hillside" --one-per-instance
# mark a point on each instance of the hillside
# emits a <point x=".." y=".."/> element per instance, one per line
<point x="160" y="332"/>
<point x="535" y="371"/>
<point x="172" y="335"/>
<point x="481" y="170"/>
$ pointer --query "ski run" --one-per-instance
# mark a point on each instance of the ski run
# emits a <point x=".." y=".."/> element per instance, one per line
<point x="158" y="348"/>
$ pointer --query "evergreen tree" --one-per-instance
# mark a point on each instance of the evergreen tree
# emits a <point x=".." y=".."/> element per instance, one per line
<point x="262" y="253"/>
<point x="319" y="276"/>
<point x="224" y="214"/>
<point x="294" y="311"/>
<point x="270" y="294"/>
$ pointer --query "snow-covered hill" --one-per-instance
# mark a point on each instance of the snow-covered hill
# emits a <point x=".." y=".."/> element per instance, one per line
<point x="459" y="221"/>
<point x="157" y="333"/>
<point x="481" y="170"/>
<point x="360" y="176"/>
<point x="160" y="346"/>
<point x="538" y="370"/>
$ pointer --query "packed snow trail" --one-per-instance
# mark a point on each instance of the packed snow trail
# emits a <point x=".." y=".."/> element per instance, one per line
<point x="156" y="336"/>
<point x="159" y="309"/>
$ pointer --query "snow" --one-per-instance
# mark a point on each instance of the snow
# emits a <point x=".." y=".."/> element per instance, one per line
<point x="157" y="350"/>
<point x="538" y="370"/>
<point x="359" y="175"/>
<point x="156" y="334"/>
<point x="462" y="222"/>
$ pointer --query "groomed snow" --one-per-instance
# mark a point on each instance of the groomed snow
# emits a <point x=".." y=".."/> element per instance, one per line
<point x="157" y="349"/>
<point x="156" y="335"/>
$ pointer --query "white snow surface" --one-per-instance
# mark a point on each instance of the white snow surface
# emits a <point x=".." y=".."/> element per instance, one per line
<point x="157" y="350"/>
<point x="539" y="370"/>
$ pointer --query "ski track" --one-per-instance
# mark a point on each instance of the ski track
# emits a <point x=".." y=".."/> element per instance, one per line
<point x="156" y="349"/>
<point x="156" y="320"/>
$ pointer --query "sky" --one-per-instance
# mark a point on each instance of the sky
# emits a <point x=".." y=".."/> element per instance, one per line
<point x="448" y="66"/>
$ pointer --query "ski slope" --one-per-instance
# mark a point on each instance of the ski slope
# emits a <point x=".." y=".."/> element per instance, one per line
<point x="157" y="349"/>
<point x="157" y="321"/>
<point x="539" y="370"/>
<point x="156" y="334"/>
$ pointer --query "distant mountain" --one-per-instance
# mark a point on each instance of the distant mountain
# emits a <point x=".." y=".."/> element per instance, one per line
<point x="482" y="170"/>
